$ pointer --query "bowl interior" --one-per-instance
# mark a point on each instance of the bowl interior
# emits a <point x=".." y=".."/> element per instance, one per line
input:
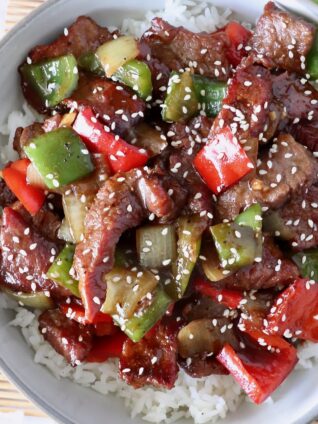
<point x="64" y="400"/>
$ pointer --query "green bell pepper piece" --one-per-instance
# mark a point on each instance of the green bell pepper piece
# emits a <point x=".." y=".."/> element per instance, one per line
<point x="307" y="262"/>
<point x="52" y="80"/>
<point x="59" y="271"/>
<point x="181" y="101"/>
<point x="36" y="300"/>
<point x="312" y="60"/>
<point x="237" y="246"/>
<point x="143" y="320"/>
<point x="251" y="217"/>
<point x="210" y="94"/>
<point x="60" y="157"/>
<point x="89" y="62"/>
<point x="189" y="231"/>
<point x="136" y="75"/>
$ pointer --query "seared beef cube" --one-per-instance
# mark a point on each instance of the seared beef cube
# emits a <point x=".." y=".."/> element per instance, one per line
<point x="23" y="136"/>
<point x="83" y="36"/>
<point x="246" y="106"/>
<point x="234" y="200"/>
<point x="273" y="271"/>
<point x="306" y="133"/>
<point x="107" y="100"/>
<point x="282" y="40"/>
<point x="298" y="97"/>
<point x="286" y="169"/>
<point x="6" y="195"/>
<point x="153" y="360"/>
<point x="114" y="210"/>
<point x="46" y="222"/>
<point x="300" y="215"/>
<point x="179" y="48"/>
<point x="202" y="365"/>
<point x="69" y="338"/>
<point x="26" y="256"/>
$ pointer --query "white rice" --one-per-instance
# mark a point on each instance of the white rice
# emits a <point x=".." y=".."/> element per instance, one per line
<point x="205" y="400"/>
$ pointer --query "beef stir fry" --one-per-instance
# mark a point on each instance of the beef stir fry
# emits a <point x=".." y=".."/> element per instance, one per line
<point x="165" y="212"/>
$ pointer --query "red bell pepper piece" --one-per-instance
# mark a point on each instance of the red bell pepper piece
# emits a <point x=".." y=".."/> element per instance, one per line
<point x="229" y="298"/>
<point x="121" y="155"/>
<point x="77" y="313"/>
<point x="238" y="37"/>
<point x="30" y="196"/>
<point x="21" y="165"/>
<point x="107" y="347"/>
<point x="258" y="370"/>
<point x="223" y="161"/>
<point x="295" y="312"/>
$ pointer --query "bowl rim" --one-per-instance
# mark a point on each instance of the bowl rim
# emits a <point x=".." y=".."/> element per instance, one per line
<point x="40" y="402"/>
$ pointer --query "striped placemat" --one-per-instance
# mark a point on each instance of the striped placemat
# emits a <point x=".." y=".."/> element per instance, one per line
<point x="18" y="9"/>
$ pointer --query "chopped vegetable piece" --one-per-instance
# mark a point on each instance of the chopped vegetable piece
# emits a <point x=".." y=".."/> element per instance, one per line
<point x="238" y="37"/>
<point x="68" y="119"/>
<point x="295" y="311"/>
<point x="251" y="217"/>
<point x="34" y="178"/>
<point x="107" y="347"/>
<point x="30" y="196"/>
<point x="115" y="53"/>
<point x="156" y="245"/>
<point x="181" y="101"/>
<point x="312" y="60"/>
<point x="37" y="300"/>
<point x="307" y="263"/>
<point x="189" y="230"/>
<point x="211" y="264"/>
<point x="75" y="211"/>
<point x="229" y="298"/>
<point x="150" y="139"/>
<point x="275" y="225"/>
<point x="237" y="246"/>
<point x="64" y="232"/>
<point x="125" y="289"/>
<point x="257" y="370"/>
<point x="60" y="157"/>
<point x="77" y="313"/>
<point x="52" y="80"/>
<point x="59" y="271"/>
<point x="89" y="62"/>
<point x="146" y="316"/>
<point x="210" y="94"/>
<point x="122" y="156"/>
<point x="136" y="75"/>
<point x="222" y="162"/>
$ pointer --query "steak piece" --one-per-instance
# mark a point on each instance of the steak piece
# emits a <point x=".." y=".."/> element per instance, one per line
<point x="114" y="210"/>
<point x="286" y="169"/>
<point x="282" y="40"/>
<point x="201" y="366"/>
<point x="179" y="48"/>
<point x="300" y="215"/>
<point x="273" y="271"/>
<point x="245" y="108"/>
<point x="45" y="221"/>
<point x="24" y="135"/>
<point x="83" y="36"/>
<point x="26" y="256"/>
<point x="153" y="360"/>
<point x="120" y="109"/>
<point x="70" y="339"/>
<point x="283" y="171"/>
<point x="6" y="195"/>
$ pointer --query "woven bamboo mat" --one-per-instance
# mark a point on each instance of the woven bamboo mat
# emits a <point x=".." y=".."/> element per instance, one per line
<point x="11" y="400"/>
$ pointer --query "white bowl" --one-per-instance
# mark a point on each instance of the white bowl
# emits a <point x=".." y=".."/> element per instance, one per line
<point x="296" y="401"/>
